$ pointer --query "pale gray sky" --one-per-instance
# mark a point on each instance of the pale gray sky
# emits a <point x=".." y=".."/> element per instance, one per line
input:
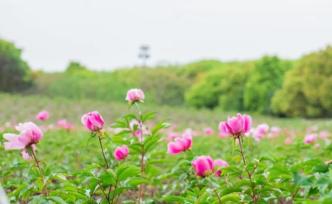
<point x="104" y="34"/>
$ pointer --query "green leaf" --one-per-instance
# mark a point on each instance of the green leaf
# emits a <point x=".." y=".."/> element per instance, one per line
<point x="151" y="142"/>
<point x="125" y="171"/>
<point x="158" y="127"/>
<point x="148" y="116"/>
<point x="173" y="199"/>
<point x="108" y="177"/>
<point x="234" y="197"/>
<point x="135" y="181"/>
<point x="57" y="200"/>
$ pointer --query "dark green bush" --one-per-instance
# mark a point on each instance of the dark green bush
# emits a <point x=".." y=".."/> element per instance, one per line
<point x="221" y="86"/>
<point x="15" y="74"/>
<point x="266" y="77"/>
<point x="306" y="89"/>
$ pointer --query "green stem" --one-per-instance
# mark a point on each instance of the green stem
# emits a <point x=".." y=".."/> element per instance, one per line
<point x="39" y="169"/>
<point x="116" y="185"/>
<point x="102" y="151"/>
<point x="142" y="164"/>
<point x="218" y="196"/>
<point x="253" y="196"/>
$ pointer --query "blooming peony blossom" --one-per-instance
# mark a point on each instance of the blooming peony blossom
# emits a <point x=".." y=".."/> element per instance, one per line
<point x="64" y="124"/>
<point x="275" y="132"/>
<point x="236" y="126"/>
<point x="218" y="165"/>
<point x="42" y="116"/>
<point x="203" y="166"/>
<point x="180" y="144"/>
<point x="208" y="131"/>
<point x="93" y="121"/>
<point x="261" y="131"/>
<point x="172" y="135"/>
<point x="324" y="135"/>
<point x="135" y="95"/>
<point x="120" y="153"/>
<point x="29" y="135"/>
<point x="310" y="139"/>
<point x="288" y="141"/>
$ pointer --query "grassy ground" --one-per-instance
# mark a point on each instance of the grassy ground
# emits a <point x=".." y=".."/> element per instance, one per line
<point x="15" y="108"/>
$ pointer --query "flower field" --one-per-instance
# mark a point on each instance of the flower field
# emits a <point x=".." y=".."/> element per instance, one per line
<point x="67" y="151"/>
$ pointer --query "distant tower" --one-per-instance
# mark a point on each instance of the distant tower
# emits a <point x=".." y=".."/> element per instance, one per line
<point x="144" y="54"/>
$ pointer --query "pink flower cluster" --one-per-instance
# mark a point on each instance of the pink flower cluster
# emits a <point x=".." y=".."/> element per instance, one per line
<point x="29" y="135"/>
<point x="313" y="135"/>
<point x="205" y="166"/>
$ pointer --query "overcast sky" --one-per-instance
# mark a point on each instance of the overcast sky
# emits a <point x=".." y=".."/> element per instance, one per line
<point x="106" y="34"/>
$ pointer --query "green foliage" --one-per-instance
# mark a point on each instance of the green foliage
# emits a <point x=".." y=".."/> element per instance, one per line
<point x="75" y="67"/>
<point x="266" y="77"/>
<point x="194" y="71"/>
<point x="306" y="88"/>
<point x="223" y="86"/>
<point x="163" y="85"/>
<point x="15" y="74"/>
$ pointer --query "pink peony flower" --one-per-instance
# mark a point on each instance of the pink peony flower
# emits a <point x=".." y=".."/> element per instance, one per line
<point x="218" y="165"/>
<point x="93" y="121"/>
<point x="64" y="124"/>
<point x="172" y="135"/>
<point x="120" y="153"/>
<point x="208" y="131"/>
<point x="235" y="126"/>
<point x="275" y="132"/>
<point x="25" y="155"/>
<point x="310" y="139"/>
<point x="324" y="135"/>
<point x="203" y="166"/>
<point x="42" y="116"/>
<point x="135" y="95"/>
<point x="223" y="134"/>
<point x="288" y="141"/>
<point x="138" y="129"/>
<point x="30" y="135"/>
<point x="180" y="144"/>
<point x="261" y="131"/>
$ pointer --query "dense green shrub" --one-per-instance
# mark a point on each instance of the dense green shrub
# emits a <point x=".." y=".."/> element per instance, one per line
<point x="75" y="67"/>
<point x="223" y="86"/>
<point x="195" y="70"/>
<point x="306" y="89"/>
<point x="163" y="84"/>
<point x="15" y="73"/>
<point x="265" y="79"/>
